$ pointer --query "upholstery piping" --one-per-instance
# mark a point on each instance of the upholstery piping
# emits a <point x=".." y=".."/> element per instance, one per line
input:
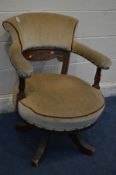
<point x="63" y="117"/>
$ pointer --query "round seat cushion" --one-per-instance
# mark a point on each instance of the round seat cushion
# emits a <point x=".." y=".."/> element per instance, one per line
<point x="60" y="102"/>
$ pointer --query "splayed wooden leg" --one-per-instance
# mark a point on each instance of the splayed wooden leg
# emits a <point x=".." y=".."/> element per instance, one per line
<point x="23" y="126"/>
<point x="41" y="150"/>
<point x="83" y="146"/>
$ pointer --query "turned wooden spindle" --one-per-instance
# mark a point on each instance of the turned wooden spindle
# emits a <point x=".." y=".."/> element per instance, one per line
<point x="97" y="78"/>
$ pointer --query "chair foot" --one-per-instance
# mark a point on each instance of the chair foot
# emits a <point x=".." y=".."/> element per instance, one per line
<point x="23" y="126"/>
<point x="83" y="146"/>
<point x="41" y="150"/>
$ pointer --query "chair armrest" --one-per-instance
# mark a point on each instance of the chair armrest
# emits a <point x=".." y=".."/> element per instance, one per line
<point x="21" y="65"/>
<point x="91" y="55"/>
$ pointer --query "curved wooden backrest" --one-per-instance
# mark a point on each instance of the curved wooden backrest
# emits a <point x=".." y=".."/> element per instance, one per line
<point x="40" y="54"/>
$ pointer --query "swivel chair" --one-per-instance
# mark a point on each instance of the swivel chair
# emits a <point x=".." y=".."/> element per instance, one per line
<point x="52" y="101"/>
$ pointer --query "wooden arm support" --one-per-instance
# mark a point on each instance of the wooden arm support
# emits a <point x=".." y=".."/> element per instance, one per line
<point x="21" y="91"/>
<point x="97" y="78"/>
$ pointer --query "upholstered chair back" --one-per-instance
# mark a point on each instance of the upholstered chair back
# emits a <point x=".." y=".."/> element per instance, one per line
<point x="42" y="30"/>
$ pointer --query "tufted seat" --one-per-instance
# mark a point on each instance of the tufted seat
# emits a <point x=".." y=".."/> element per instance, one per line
<point x="60" y="102"/>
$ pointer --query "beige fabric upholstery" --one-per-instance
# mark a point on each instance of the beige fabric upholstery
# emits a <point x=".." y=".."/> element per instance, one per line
<point x="53" y="101"/>
<point x="42" y="30"/>
<point x="46" y="33"/>
<point x="57" y="124"/>
<point x="61" y="96"/>
<point x="93" y="56"/>
<point x="23" y="68"/>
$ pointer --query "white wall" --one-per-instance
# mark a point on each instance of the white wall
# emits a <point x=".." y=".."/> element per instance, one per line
<point x="97" y="29"/>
